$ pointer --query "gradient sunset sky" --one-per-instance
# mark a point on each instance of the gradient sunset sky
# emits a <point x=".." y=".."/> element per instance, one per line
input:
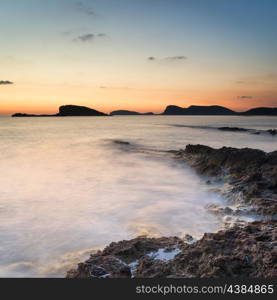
<point x="137" y="54"/>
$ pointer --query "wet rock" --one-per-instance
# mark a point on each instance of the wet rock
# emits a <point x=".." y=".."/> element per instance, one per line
<point x="121" y="142"/>
<point x="249" y="251"/>
<point x="272" y="131"/>
<point x="189" y="239"/>
<point x="100" y="266"/>
<point x="235" y="129"/>
<point x="116" y="260"/>
<point x="251" y="173"/>
<point x="219" y="210"/>
<point x="138" y="247"/>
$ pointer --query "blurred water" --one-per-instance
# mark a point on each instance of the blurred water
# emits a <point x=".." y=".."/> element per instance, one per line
<point x="66" y="188"/>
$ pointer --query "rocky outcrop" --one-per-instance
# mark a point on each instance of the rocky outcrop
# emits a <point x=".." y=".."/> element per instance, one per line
<point x="253" y="131"/>
<point x="249" y="251"/>
<point x="233" y="129"/>
<point x="121" y="259"/>
<point x="250" y="173"/>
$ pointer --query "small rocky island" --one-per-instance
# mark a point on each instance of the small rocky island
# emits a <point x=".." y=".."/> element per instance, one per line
<point x="129" y="113"/>
<point x="66" y="111"/>
<point x="218" y="110"/>
<point x="240" y="249"/>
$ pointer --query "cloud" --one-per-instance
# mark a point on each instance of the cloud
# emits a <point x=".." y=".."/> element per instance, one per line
<point x="85" y="9"/>
<point x="178" y="57"/>
<point x="169" y="58"/>
<point x="85" y="37"/>
<point x="245" y="97"/>
<point x="88" y="37"/>
<point x="5" y="82"/>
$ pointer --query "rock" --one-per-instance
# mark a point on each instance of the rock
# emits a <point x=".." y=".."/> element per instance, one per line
<point x="101" y="266"/>
<point x="117" y="258"/>
<point x="249" y="251"/>
<point x="272" y="131"/>
<point x="134" y="249"/>
<point x="251" y="173"/>
<point x="121" y="142"/>
<point x="220" y="210"/>
<point x="232" y="129"/>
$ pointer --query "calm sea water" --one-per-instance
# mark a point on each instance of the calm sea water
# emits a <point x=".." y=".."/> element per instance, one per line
<point x="67" y="188"/>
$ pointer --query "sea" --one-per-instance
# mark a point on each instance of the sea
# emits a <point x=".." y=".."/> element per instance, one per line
<point x="71" y="185"/>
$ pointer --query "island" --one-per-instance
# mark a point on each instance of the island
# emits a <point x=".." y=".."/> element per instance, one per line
<point x="129" y="113"/>
<point x="261" y="111"/>
<point x="198" y="110"/>
<point x="209" y="110"/>
<point x="66" y="111"/>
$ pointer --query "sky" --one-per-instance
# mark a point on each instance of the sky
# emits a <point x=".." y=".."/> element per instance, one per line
<point x="137" y="54"/>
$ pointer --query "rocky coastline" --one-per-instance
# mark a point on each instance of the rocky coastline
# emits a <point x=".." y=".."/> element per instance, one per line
<point x="248" y="180"/>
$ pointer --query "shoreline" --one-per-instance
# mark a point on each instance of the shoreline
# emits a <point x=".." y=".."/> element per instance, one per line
<point x="244" y="249"/>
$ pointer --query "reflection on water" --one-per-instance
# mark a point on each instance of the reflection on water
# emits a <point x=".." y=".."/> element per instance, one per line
<point x="66" y="188"/>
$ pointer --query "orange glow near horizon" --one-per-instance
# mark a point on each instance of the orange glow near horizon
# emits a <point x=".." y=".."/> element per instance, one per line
<point x="45" y="99"/>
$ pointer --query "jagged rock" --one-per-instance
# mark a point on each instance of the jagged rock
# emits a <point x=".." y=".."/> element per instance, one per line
<point x="249" y="251"/>
<point x="250" y="172"/>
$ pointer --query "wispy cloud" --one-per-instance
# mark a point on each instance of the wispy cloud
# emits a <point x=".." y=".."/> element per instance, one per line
<point x="5" y="82"/>
<point x="88" y="37"/>
<point x="101" y="35"/>
<point x="85" y="37"/>
<point x="178" y="57"/>
<point x="83" y="8"/>
<point x="169" y="58"/>
<point x="245" y="97"/>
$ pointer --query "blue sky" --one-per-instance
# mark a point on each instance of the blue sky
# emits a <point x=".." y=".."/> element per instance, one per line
<point x="106" y="43"/>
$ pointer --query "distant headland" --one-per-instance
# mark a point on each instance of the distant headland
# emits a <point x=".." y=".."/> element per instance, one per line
<point x="76" y="110"/>
<point x="67" y="111"/>
<point x="129" y="113"/>
<point x="217" y="110"/>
